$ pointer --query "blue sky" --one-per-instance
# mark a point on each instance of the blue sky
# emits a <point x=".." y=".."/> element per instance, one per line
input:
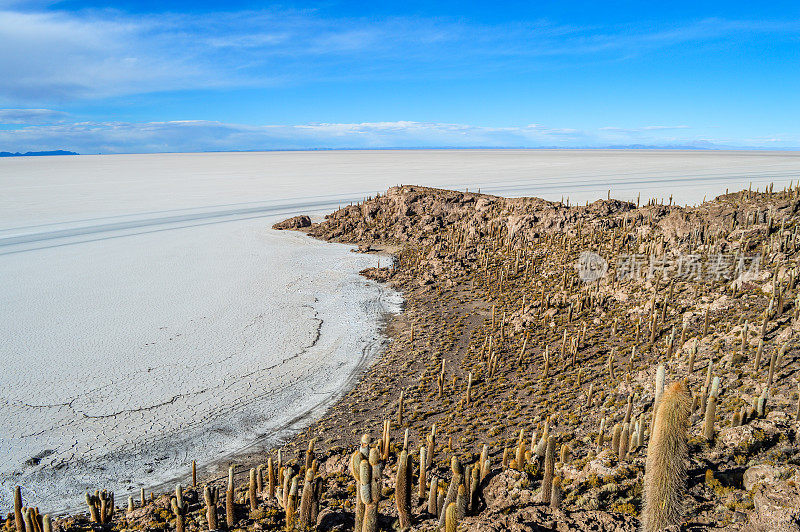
<point x="146" y="76"/>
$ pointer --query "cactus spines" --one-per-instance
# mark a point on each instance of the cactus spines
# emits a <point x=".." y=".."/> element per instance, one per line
<point x="370" y="519"/>
<point x="773" y="362"/>
<point x="291" y="505"/>
<point x="660" y="376"/>
<point x="473" y="488"/>
<point x="271" y="479"/>
<point x="556" y="494"/>
<point x="759" y="351"/>
<point x="179" y="508"/>
<point x="601" y="435"/>
<point x="710" y="415"/>
<point x="624" y="439"/>
<point x="431" y="447"/>
<point x="101" y="506"/>
<point x="402" y="495"/>
<point x="18" y="519"/>
<point x="211" y="496"/>
<point x="629" y="409"/>
<point x="450" y="518"/>
<point x="400" y="409"/>
<point x="307" y="500"/>
<point x="693" y="355"/>
<point x="565" y="454"/>
<point x="423" y="475"/>
<point x="667" y="455"/>
<point x="229" y="509"/>
<point x="520" y="456"/>
<point x="252" y="490"/>
<point x="452" y="490"/>
<point x="615" y="438"/>
<point x="310" y="454"/>
<point x="461" y="501"/>
<point x="30" y="519"/>
<point x="356" y="460"/>
<point x="432" y="497"/>
<point x="549" y="465"/>
<point x="469" y="389"/>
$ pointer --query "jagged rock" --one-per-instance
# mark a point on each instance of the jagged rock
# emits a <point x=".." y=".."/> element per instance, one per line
<point x="751" y="438"/>
<point x="297" y="222"/>
<point x="508" y="489"/>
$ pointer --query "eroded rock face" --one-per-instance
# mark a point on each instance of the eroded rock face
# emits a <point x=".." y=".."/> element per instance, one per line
<point x="509" y="488"/>
<point x="297" y="222"/>
<point x="776" y="497"/>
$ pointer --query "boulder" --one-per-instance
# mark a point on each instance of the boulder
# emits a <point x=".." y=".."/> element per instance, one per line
<point x="296" y="222"/>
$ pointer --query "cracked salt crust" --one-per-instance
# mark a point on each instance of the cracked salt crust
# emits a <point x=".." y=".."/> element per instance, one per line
<point x="125" y="359"/>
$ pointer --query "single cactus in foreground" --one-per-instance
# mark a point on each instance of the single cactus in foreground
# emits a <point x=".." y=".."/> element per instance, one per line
<point x="667" y="456"/>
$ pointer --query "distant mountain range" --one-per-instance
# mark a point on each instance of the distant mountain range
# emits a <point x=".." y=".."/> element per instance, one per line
<point x="36" y="153"/>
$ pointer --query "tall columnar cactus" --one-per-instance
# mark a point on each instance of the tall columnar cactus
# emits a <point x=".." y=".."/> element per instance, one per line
<point x="422" y="482"/>
<point x="271" y="478"/>
<point x="711" y="411"/>
<point x="291" y="505"/>
<point x="360" y="455"/>
<point x="179" y="508"/>
<point x="402" y="494"/>
<point x="431" y="447"/>
<point x="450" y="517"/>
<point x="18" y="519"/>
<point x="615" y="437"/>
<point x="230" y="518"/>
<point x="667" y="457"/>
<point x="759" y="352"/>
<point x="601" y="435"/>
<point x="549" y="465"/>
<point x="433" y="494"/>
<point x="556" y="494"/>
<point x="369" y="497"/>
<point x="252" y="490"/>
<point x="452" y="491"/>
<point x="101" y="506"/>
<point x="309" y="454"/>
<point x="211" y="496"/>
<point x="474" y="488"/>
<point x="307" y="500"/>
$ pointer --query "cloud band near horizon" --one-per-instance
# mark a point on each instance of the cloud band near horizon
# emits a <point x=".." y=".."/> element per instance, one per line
<point x="199" y="136"/>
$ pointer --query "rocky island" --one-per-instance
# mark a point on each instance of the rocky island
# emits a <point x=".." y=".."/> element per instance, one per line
<point x="612" y="366"/>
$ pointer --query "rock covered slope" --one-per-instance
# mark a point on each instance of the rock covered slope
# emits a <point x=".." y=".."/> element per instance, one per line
<point x="713" y="286"/>
<point x="527" y="364"/>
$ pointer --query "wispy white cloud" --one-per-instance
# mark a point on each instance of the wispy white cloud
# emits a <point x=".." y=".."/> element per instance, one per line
<point x="31" y="116"/>
<point x="642" y="128"/>
<point x="56" y="56"/>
